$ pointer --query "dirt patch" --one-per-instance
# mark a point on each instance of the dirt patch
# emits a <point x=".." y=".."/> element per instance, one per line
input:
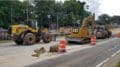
<point x="115" y="31"/>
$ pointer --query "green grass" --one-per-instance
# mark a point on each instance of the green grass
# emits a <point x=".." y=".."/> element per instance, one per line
<point x="4" y="41"/>
<point x="118" y="64"/>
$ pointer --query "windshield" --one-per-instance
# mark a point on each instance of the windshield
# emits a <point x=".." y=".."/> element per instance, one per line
<point x="30" y="23"/>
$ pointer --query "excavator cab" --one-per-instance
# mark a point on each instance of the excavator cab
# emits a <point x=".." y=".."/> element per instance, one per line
<point x="75" y="28"/>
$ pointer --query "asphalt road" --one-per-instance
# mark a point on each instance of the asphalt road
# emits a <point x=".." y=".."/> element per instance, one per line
<point x="90" y="57"/>
<point x="20" y="55"/>
<point x="10" y="48"/>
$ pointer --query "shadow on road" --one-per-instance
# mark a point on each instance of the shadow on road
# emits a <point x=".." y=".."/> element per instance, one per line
<point x="77" y="43"/>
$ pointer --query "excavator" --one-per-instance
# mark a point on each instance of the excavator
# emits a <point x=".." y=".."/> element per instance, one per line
<point x="82" y="33"/>
<point x="28" y="33"/>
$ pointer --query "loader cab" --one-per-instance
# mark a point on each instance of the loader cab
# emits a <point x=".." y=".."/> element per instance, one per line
<point x="31" y="23"/>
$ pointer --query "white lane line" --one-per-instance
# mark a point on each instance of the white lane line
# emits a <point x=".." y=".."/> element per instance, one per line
<point x="106" y="60"/>
<point x="115" y="53"/>
<point x="99" y="65"/>
<point x="118" y="52"/>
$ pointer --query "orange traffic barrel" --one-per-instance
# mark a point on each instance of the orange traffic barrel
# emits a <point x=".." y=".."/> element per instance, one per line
<point x="62" y="46"/>
<point x="93" y="40"/>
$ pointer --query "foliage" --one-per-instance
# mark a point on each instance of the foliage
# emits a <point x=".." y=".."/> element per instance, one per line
<point x="115" y="19"/>
<point x="12" y="12"/>
<point x="44" y="11"/>
<point x="106" y="19"/>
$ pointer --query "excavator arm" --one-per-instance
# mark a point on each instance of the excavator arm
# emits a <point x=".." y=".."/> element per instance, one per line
<point x="88" y="22"/>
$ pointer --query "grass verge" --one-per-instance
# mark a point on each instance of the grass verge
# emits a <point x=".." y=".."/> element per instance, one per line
<point x="118" y="64"/>
<point x="4" y="41"/>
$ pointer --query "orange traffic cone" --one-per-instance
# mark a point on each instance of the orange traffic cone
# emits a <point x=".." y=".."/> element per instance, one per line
<point x="62" y="46"/>
<point x="93" y="40"/>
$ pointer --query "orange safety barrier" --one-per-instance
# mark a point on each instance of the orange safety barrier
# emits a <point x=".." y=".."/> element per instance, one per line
<point x="93" y="40"/>
<point x="62" y="46"/>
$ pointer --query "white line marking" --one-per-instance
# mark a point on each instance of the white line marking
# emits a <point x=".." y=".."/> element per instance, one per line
<point x="106" y="60"/>
<point x="99" y="65"/>
<point x="115" y="53"/>
<point x="118" y="52"/>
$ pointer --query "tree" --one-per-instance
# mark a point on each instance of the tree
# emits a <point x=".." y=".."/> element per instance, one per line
<point x="12" y="12"/>
<point x="45" y="11"/>
<point x="104" y="19"/>
<point x="115" y="19"/>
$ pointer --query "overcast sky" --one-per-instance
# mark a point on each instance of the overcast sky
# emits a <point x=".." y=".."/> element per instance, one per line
<point x="111" y="7"/>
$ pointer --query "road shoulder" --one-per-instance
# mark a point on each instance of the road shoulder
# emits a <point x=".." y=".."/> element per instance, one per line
<point x="113" y="61"/>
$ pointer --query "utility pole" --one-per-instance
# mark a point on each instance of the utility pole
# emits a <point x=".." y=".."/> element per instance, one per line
<point x="57" y="22"/>
<point x="11" y="14"/>
<point x="27" y="10"/>
<point x="49" y="16"/>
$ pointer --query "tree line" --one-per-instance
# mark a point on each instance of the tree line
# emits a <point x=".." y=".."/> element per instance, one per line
<point x="105" y="19"/>
<point x="47" y="12"/>
<point x="44" y="11"/>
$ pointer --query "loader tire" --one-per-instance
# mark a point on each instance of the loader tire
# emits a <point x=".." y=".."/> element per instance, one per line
<point x="29" y="39"/>
<point x="47" y="38"/>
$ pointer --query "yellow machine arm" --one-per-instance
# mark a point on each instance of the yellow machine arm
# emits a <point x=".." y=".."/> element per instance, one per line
<point x="89" y="22"/>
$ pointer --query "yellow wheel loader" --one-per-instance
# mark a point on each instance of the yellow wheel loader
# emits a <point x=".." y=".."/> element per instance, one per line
<point x="82" y="33"/>
<point x="28" y="33"/>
